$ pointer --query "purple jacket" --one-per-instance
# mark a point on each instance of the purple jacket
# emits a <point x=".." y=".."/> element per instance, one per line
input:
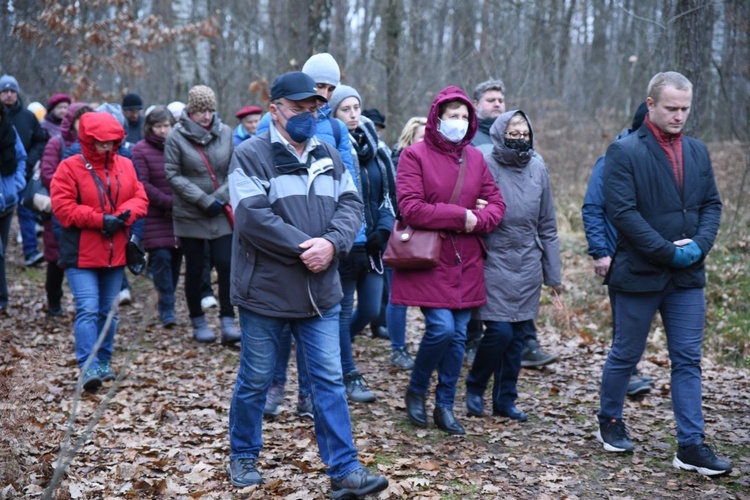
<point x="148" y="156"/>
<point x="53" y="153"/>
<point x="426" y="175"/>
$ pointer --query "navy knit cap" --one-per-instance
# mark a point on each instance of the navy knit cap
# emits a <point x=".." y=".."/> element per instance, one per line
<point x="639" y="116"/>
<point x="132" y="101"/>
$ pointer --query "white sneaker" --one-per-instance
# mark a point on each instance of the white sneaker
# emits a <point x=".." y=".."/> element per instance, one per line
<point x="124" y="297"/>
<point x="208" y="302"/>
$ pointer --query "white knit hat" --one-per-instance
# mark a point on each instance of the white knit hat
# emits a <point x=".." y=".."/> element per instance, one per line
<point x="323" y="68"/>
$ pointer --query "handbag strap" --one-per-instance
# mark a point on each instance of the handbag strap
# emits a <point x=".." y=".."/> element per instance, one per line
<point x="208" y="165"/>
<point x="460" y="181"/>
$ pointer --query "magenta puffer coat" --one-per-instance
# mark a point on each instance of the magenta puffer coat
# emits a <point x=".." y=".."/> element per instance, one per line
<point x="426" y="175"/>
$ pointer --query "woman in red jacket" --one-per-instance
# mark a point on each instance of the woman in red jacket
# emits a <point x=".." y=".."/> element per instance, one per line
<point x="96" y="196"/>
<point x="427" y="174"/>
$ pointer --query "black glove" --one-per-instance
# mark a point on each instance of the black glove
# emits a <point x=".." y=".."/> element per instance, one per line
<point x="112" y="224"/>
<point x="124" y="216"/>
<point x="215" y="208"/>
<point x="376" y="241"/>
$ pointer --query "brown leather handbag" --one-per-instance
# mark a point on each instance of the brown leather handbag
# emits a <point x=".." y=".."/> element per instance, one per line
<point x="413" y="249"/>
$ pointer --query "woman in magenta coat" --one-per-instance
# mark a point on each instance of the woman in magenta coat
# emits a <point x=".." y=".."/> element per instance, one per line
<point x="425" y="180"/>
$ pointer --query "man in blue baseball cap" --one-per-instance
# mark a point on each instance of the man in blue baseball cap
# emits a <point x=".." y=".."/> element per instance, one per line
<point x="296" y="212"/>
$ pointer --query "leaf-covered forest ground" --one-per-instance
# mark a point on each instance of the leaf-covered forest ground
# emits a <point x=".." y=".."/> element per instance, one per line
<point x="164" y="433"/>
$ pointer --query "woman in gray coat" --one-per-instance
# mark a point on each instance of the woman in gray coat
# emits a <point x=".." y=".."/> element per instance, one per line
<point x="196" y="161"/>
<point x="523" y="253"/>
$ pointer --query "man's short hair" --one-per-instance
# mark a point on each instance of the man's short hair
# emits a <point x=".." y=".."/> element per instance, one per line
<point x="492" y="84"/>
<point x="667" y="79"/>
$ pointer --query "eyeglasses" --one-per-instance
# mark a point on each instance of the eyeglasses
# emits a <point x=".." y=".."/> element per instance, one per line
<point x="297" y="111"/>
<point x="515" y="134"/>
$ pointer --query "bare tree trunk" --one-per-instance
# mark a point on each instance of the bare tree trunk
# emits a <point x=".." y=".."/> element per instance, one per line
<point x="693" y="27"/>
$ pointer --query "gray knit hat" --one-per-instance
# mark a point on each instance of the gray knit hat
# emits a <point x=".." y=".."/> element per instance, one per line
<point x="201" y="98"/>
<point x="323" y="68"/>
<point x="8" y="82"/>
<point x="341" y="93"/>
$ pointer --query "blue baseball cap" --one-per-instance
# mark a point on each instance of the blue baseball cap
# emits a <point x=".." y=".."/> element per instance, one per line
<point x="295" y="86"/>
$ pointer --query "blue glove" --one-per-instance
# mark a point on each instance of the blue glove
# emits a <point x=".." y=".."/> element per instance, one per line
<point x="686" y="255"/>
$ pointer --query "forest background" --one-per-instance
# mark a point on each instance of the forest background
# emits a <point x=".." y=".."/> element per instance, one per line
<point x="579" y="68"/>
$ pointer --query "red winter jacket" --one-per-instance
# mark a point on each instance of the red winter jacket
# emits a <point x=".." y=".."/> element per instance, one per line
<point x="80" y="204"/>
<point x="425" y="179"/>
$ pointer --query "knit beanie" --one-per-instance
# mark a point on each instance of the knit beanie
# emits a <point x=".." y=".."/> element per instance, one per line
<point x="7" y="82"/>
<point x="201" y="98"/>
<point x="323" y="68"/>
<point x="57" y="99"/>
<point x="132" y="101"/>
<point x="639" y="116"/>
<point x="341" y="93"/>
<point x="176" y="107"/>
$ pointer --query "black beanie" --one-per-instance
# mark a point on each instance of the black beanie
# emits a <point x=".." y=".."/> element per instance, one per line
<point x="132" y="101"/>
<point x="639" y="116"/>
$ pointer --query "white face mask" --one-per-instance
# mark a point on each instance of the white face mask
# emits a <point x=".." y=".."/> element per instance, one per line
<point x="453" y="130"/>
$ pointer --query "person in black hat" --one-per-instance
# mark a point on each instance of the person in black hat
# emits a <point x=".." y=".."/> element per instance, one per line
<point x="297" y="211"/>
<point x="131" y="108"/>
<point x="377" y="118"/>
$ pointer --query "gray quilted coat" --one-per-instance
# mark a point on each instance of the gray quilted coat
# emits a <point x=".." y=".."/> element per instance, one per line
<point x="523" y="251"/>
<point x="191" y="183"/>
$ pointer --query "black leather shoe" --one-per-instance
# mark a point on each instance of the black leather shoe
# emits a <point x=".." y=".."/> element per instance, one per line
<point x="415" y="409"/>
<point x="510" y="412"/>
<point x="474" y="404"/>
<point x="446" y="422"/>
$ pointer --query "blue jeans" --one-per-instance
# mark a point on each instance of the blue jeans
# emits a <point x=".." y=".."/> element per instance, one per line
<point x="318" y="339"/>
<point x="442" y="349"/>
<point x="5" y="221"/>
<point x="27" y="224"/>
<point x="683" y="312"/>
<point x="282" y="363"/>
<point x="356" y="275"/>
<point x="165" y="264"/>
<point x="395" y="319"/>
<point x="499" y="353"/>
<point x="94" y="291"/>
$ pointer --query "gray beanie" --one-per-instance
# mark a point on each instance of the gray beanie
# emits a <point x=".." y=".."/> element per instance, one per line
<point x="114" y="110"/>
<point x="341" y="93"/>
<point x="323" y="68"/>
<point x="7" y="82"/>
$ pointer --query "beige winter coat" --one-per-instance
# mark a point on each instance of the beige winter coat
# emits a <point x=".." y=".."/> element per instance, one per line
<point x="188" y="176"/>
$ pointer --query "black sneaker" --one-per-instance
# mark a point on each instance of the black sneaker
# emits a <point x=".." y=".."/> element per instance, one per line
<point x="33" y="259"/>
<point x="534" y="357"/>
<point x="614" y="436"/>
<point x="702" y="459"/>
<point x="243" y="472"/>
<point x="358" y="484"/>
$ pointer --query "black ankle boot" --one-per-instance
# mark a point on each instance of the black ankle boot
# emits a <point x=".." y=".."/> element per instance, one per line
<point x="415" y="409"/>
<point x="445" y="421"/>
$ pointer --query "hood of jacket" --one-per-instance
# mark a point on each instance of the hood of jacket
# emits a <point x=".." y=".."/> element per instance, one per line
<point x="503" y="154"/>
<point x="196" y="133"/>
<point x="66" y="127"/>
<point x="433" y="138"/>
<point x="102" y="127"/>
